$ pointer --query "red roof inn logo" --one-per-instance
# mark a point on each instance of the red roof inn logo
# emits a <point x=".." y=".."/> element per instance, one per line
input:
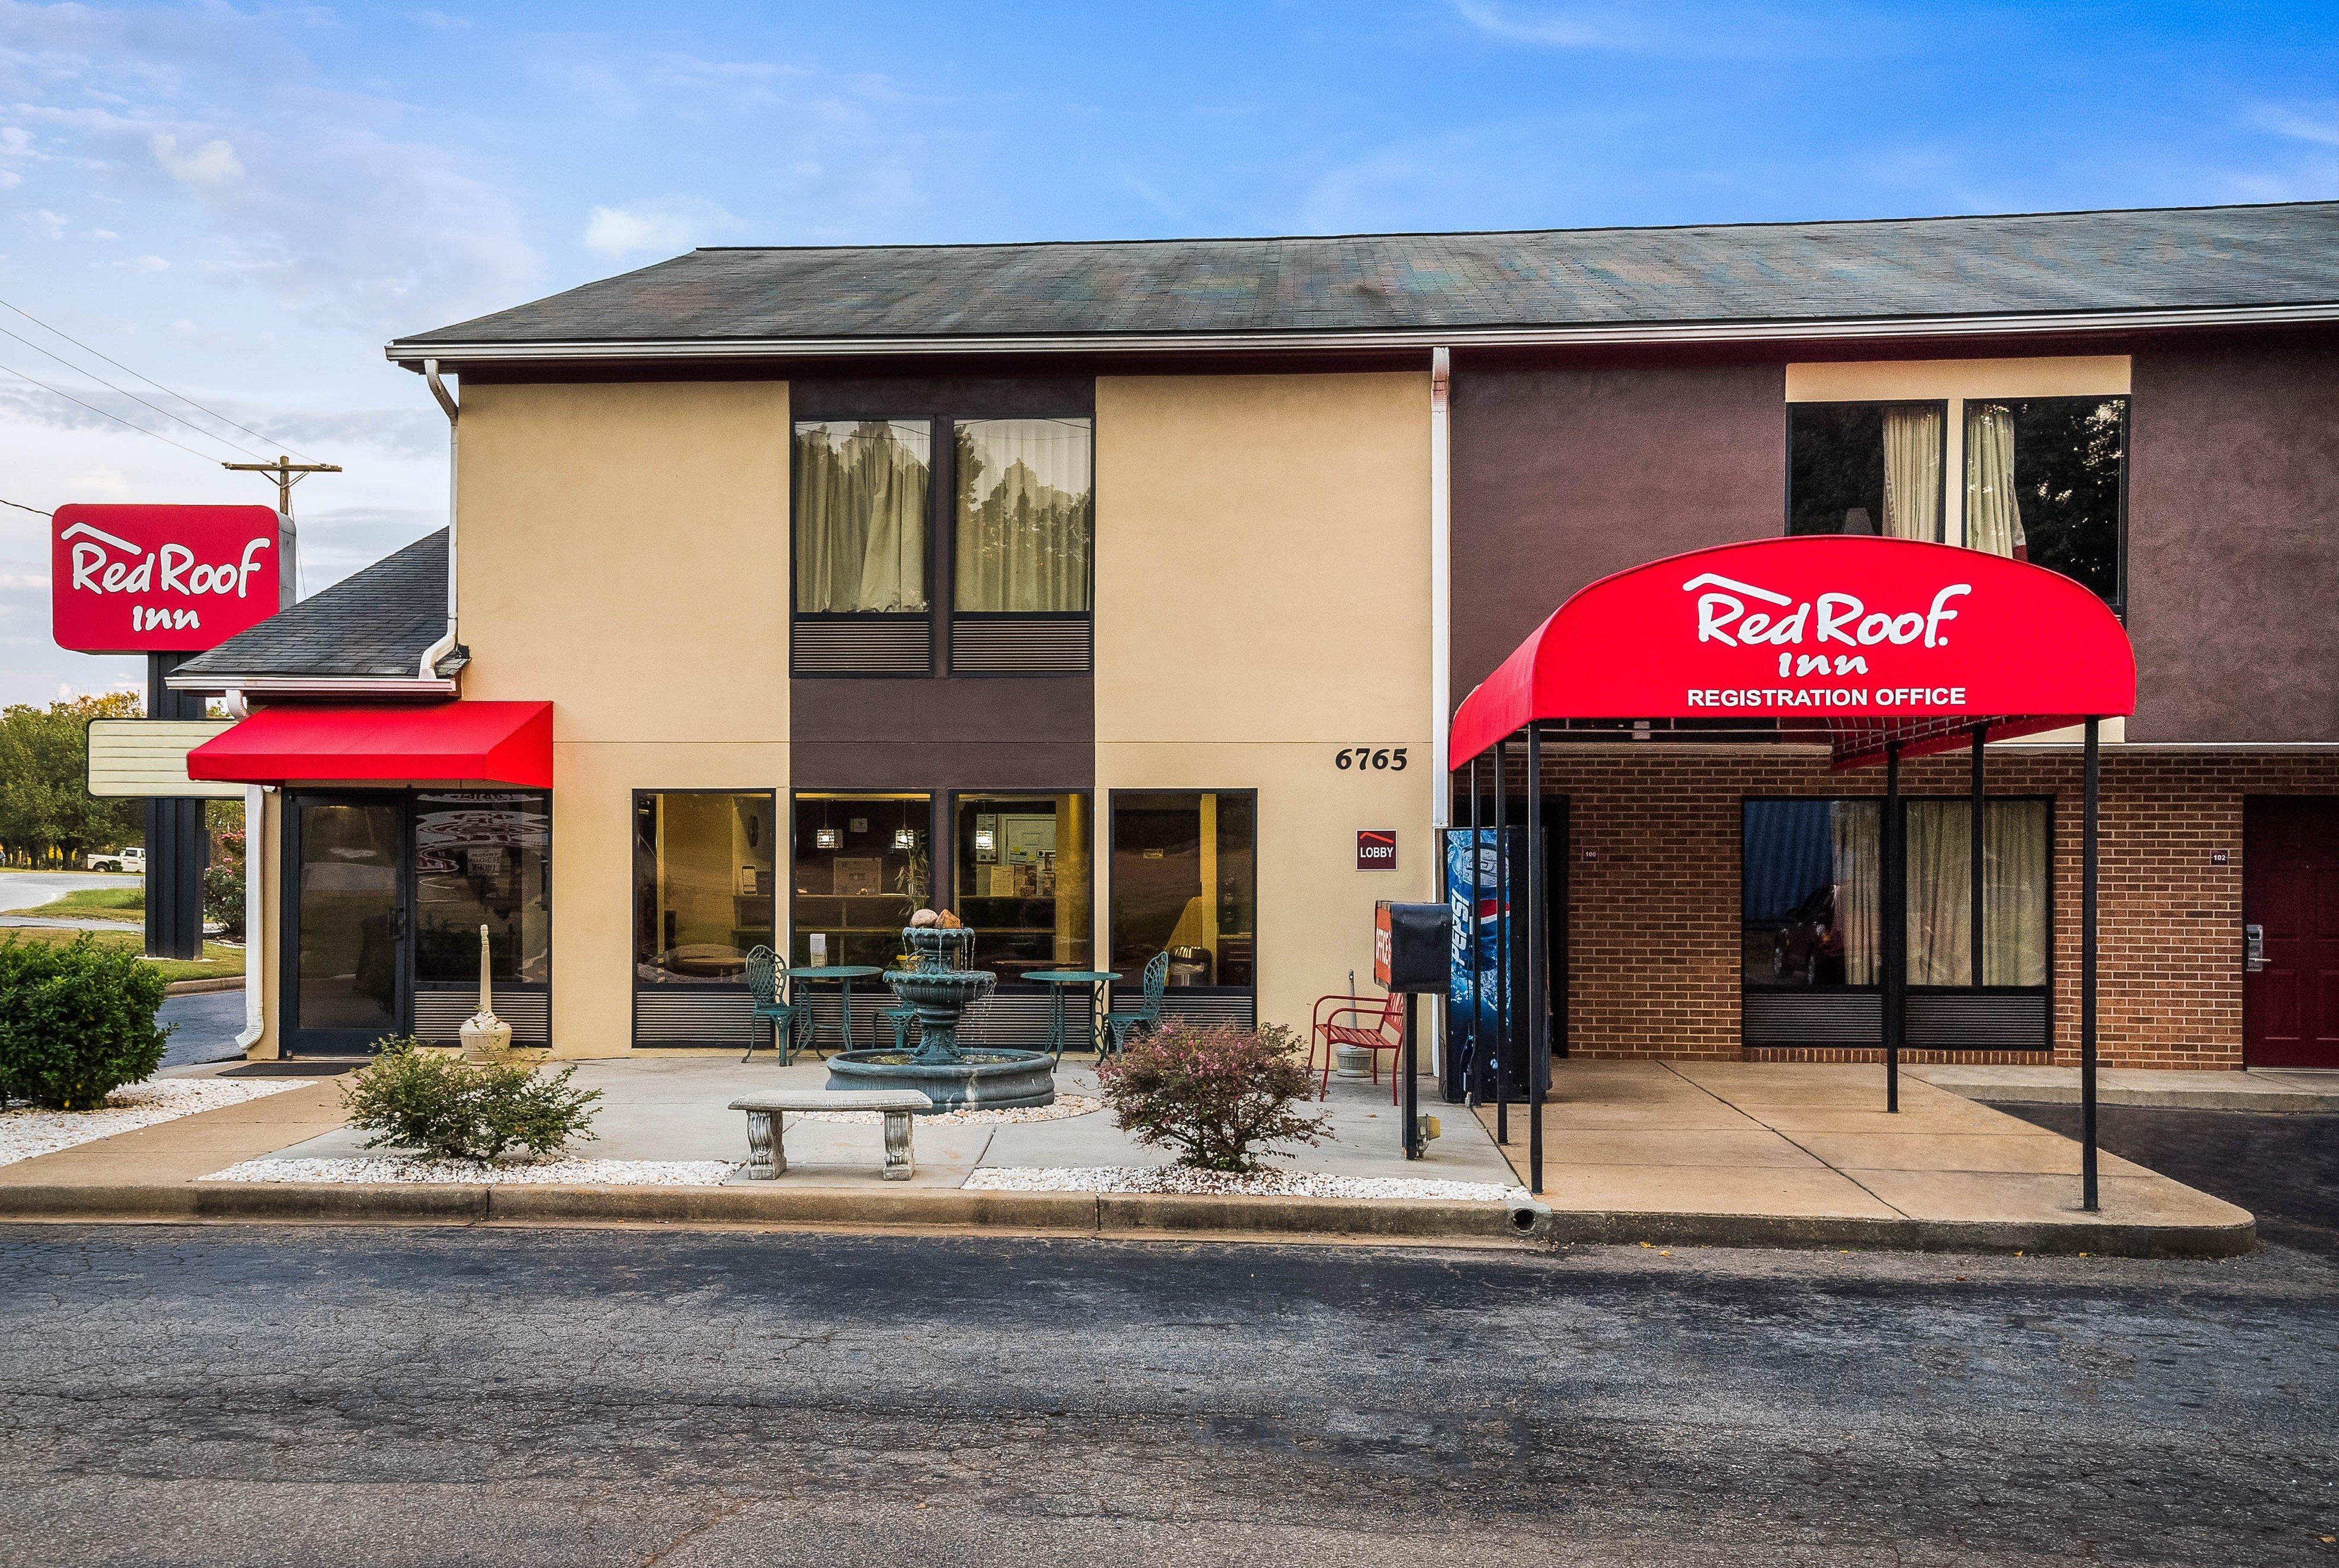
<point x="161" y="579"/>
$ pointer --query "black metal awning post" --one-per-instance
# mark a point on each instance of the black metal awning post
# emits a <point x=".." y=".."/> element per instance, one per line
<point x="1473" y="1083"/>
<point x="1895" y="916"/>
<point x="2088" y="974"/>
<point x="1538" y="1036"/>
<point x="1502" y="942"/>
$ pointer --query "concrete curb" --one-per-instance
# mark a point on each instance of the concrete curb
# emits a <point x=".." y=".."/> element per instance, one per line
<point x="190" y="987"/>
<point x="1122" y="1215"/>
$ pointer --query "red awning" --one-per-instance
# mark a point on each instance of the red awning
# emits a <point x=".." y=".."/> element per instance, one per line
<point x="507" y="744"/>
<point x="1861" y="641"/>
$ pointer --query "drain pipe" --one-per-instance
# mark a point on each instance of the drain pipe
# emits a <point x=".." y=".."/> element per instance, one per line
<point x="255" y="809"/>
<point x="445" y="645"/>
<point x="1441" y="587"/>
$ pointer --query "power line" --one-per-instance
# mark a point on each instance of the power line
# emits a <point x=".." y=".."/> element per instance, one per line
<point x="92" y="408"/>
<point x="109" y="386"/>
<point x="151" y="381"/>
<point x="23" y="507"/>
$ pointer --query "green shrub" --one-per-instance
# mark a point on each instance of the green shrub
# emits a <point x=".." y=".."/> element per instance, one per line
<point x="1212" y="1094"/>
<point x="412" y="1097"/>
<point x="76" y="1021"/>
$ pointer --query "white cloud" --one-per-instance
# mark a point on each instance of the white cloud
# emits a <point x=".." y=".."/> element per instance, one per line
<point x="1570" y="28"/>
<point x="101" y="234"/>
<point x="2319" y="125"/>
<point x="44" y="222"/>
<point x="212" y="163"/>
<point x="665" y="224"/>
<point x="138" y="263"/>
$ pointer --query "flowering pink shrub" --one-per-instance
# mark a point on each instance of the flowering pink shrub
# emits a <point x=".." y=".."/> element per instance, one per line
<point x="1213" y="1094"/>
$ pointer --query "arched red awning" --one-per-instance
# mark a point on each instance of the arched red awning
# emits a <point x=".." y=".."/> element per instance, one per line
<point x="1864" y="640"/>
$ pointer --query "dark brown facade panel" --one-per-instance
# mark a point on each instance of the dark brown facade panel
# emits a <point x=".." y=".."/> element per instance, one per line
<point x="1561" y="477"/>
<point x="972" y="733"/>
<point x="2233" y="551"/>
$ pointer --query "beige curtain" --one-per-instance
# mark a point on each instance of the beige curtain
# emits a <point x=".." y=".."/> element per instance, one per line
<point x="1913" y="472"/>
<point x="1941" y="892"/>
<point x="1024" y="506"/>
<point x="2015" y="868"/>
<point x="1993" y="511"/>
<point x="862" y="488"/>
<point x="1859" y="886"/>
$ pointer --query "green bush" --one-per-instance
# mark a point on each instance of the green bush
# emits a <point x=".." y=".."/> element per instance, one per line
<point x="412" y="1097"/>
<point x="1212" y="1094"/>
<point x="76" y="1021"/>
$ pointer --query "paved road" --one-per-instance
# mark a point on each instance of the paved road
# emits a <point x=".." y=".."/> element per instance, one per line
<point x="2283" y="1168"/>
<point x="204" y="1026"/>
<point x="29" y="889"/>
<point x="320" y="1397"/>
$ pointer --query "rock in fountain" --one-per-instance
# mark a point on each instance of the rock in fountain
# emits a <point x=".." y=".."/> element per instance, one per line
<point x="941" y="989"/>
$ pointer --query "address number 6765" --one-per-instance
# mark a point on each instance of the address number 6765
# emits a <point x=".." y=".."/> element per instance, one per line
<point x="1381" y="759"/>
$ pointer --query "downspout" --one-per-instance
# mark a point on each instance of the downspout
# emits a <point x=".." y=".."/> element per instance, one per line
<point x="255" y="814"/>
<point x="445" y="645"/>
<point x="1441" y="588"/>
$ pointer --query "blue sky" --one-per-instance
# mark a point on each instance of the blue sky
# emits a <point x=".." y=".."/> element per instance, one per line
<point x="245" y="202"/>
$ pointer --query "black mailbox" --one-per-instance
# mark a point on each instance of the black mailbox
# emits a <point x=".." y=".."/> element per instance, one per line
<point x="1413" y="946"/>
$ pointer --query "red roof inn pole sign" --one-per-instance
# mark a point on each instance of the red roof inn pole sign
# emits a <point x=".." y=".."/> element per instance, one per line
<point x="164" y="579"/>
<point x="1850" y="633"/>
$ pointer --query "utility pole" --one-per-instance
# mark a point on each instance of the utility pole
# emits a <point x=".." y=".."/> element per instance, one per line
<point x="286" y="473"/>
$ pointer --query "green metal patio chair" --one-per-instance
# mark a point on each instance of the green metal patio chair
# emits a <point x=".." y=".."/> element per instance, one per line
<point x="1119" y="1026"/>
<point x="789" y="1022"/>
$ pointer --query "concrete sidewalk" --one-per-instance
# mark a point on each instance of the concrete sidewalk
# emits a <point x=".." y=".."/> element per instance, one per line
<point x="1806" y="1155"/>
<point x="2263" y="1089"/>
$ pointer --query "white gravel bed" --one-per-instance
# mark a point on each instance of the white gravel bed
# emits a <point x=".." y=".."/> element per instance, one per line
<point x="1213" y="1183"/>
<point x="1066" y="1106"/>
<point x="387" y="1171"/>
<point x="28" y="1131"/>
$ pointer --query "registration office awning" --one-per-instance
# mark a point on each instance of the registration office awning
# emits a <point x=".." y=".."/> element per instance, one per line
<point x="458" y="743"/>
<point x="1859" y="642"/>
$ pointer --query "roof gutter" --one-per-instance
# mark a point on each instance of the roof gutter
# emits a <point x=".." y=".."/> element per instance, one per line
<point x="434" y="689"/>
<point x="426" y="355"/>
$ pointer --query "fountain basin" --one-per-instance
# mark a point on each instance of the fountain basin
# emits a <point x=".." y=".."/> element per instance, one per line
<point x="987" y="1077"/>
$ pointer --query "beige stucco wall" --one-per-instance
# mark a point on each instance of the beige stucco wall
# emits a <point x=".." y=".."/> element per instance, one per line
<point x="1262" y="570"/>
<point x="623" y="553"/>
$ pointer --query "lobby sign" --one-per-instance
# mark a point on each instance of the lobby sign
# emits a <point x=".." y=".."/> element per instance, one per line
<point x="1377" y="848"/>
<point x="1817" y="627"/>
<point x="134" y="580"/>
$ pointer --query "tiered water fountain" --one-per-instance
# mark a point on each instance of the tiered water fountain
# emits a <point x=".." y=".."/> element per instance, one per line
<point x="942" y="988"/>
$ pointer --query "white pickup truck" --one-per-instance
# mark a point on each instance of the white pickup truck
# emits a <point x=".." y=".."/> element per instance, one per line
<point x="130" y="859"/>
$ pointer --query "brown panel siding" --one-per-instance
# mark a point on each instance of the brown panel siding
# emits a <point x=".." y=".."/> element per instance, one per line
<point x="995" y="734"/>
<point x="2233" y="540"/>
<point x="1563" y="475"/>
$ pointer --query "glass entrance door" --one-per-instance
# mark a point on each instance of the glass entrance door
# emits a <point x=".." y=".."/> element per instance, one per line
<point x="345" y="962"/>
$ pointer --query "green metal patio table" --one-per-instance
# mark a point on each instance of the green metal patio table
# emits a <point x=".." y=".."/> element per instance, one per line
<point x="842" y="975"/>
<point x="1059" y="981"/>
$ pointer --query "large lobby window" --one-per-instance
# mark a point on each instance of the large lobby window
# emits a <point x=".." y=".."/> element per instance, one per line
<point x="1866" y="469"/>
<point x="1021" y="876"/>
<point x="482" y="859"/>
<point x="2045" y="482"/>
<point x="703" y="892"/>
<point x="1185" y="880"/>
<point x="861" y="864"/>
<point x="1811" y="897"/>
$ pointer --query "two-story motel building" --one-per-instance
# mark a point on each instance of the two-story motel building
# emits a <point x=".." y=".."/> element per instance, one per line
<point x="1105" y="593"/>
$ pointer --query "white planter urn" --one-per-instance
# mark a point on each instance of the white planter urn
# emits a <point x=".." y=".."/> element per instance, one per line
<point x="485" y="1036"/>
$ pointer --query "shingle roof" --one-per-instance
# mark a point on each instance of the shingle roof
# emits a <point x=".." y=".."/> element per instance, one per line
<point x="2167" y="259"/>
<point x="377" y="621"/>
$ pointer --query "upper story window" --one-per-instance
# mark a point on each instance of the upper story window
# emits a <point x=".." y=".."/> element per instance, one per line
<point x="1025" y="514"/>
<point x="1866" y="469"/>
<point x="863" y="487"/>
<point x="2042" y="479"/>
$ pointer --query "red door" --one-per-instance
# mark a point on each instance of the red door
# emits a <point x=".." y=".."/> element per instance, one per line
<point x="2290" y="917"/>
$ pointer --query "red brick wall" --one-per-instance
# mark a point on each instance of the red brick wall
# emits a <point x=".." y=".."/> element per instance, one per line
<point x="1653" y="897"/>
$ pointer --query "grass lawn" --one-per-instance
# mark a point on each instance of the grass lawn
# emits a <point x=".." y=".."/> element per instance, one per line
<point x="219" y="961"/>
<point x="95" y="903"/>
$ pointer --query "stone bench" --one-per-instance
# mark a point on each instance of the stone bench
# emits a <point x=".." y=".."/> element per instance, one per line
<point x="766" y="1109"/>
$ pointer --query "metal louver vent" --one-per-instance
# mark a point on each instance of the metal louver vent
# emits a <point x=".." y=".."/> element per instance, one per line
<point x="1021" y="646"/>
<point x="695" y="1015"/>
<point x="1979" y="1021"/>
<point x="1852" y="1018"/>
<point x="438" y="1015"/>
<point x="862" y="646"/>
<point x="1195" y="1004"/>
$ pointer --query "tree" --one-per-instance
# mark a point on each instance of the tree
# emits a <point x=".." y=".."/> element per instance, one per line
<point x="45" y="799"/>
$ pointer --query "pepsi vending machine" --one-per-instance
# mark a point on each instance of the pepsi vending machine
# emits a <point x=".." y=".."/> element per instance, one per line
<point x="1474" y="995"/>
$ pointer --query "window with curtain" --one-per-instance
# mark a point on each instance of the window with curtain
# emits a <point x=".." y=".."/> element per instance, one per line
<point x="1811" y="900"/>
<point x="2044" y="483"/>
<point x="862" y="491"/>
<point x="1024" y="514"/>
<point x="1866" y="469"/>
